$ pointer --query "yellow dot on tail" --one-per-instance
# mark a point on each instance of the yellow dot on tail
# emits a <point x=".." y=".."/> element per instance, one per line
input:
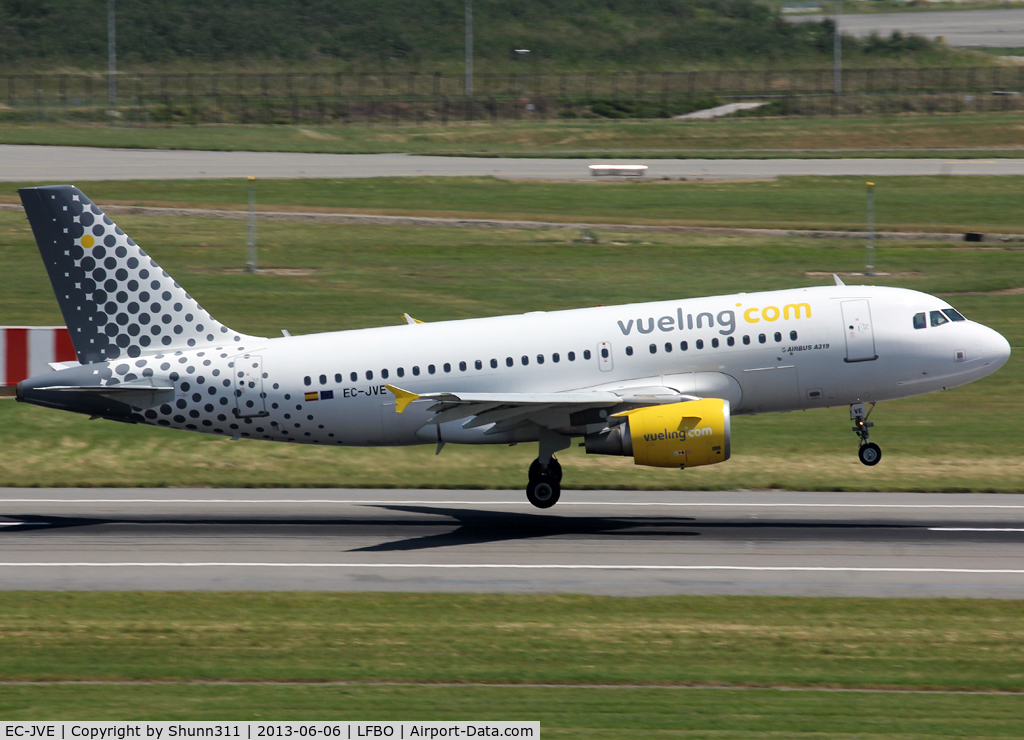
<point x="88" y="241"/>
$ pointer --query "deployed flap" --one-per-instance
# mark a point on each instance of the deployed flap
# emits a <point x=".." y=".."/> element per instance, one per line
<point x="596" y="399"/>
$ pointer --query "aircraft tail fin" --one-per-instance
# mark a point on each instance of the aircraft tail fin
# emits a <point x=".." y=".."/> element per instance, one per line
<point x="116" y="300"/>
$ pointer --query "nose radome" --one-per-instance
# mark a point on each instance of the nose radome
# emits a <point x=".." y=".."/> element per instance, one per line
<point x="995" y="348"/>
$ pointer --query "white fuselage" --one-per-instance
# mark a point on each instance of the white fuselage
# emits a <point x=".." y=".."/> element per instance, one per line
<point x="764" y="352"/>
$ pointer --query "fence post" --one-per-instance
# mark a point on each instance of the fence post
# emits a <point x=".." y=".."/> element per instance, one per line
<point x="40" y="99"/>
<point x="250" y="252"/>
<point x="871" y="227"/>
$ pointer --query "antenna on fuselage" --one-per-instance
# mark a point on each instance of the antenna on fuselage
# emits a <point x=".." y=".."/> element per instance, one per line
<point x="838" y="281"/>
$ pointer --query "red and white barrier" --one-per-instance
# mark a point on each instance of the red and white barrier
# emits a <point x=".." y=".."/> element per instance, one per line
<point x="27" y="350"/>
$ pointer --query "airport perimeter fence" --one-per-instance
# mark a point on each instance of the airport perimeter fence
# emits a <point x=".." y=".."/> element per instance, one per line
<point x="412" y="97"/>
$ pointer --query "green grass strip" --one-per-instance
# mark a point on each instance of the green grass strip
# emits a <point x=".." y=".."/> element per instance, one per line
<point x="729" y="137"/>
<point x="972" y="645"/>
<point x="567" y="713"/>
<point x="916" y="204"/>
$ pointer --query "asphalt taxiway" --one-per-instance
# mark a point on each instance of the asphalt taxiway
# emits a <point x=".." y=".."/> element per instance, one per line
<point x="604" y="542"/>
<point x="1002" y="27"/>
<point x="80" y="164"/>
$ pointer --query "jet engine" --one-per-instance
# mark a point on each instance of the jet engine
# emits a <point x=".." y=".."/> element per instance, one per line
<point x="683" y="435"/>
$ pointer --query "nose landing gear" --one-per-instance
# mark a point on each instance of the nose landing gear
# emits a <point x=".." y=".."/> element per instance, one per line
<point x="869" y="453"/>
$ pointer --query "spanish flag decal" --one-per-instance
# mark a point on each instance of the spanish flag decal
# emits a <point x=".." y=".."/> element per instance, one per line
<point x="321" y="396"/>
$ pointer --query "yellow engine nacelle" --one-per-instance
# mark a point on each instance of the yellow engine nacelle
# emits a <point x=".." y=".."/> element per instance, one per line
<point x="677" y="435"/>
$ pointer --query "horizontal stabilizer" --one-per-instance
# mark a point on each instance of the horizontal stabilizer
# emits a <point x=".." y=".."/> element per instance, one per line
<point x="141" y="395"/>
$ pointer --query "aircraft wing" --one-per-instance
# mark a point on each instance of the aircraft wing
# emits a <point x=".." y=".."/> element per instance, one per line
<point x="548" y="410"/>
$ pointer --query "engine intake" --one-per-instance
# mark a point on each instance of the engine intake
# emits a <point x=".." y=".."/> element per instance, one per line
<point x="683" y="435"/>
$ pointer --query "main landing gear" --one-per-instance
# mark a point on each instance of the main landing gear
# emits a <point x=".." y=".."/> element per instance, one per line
<point x="545" y="484"/>
<point x="869" y="453"/>
<point x="545" y="474"/>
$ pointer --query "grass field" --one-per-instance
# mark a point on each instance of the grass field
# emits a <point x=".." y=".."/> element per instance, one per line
<point x="586" y="713"/>
<point x="319" y="277"/>
<point x="996" y="134"/>
<point x="931" y="204"/>
<point x="586" y="666"/>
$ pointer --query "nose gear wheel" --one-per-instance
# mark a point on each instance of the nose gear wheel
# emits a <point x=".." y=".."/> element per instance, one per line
<point x="870" y="453"/>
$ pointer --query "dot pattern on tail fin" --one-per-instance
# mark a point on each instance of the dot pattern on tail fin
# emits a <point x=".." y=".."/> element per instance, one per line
<point x="117" y="301"/>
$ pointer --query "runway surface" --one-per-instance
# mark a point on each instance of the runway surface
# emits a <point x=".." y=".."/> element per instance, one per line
<point x="603" y="542"/>
<point x="959" y="27"/>
<point x="55" y="164"/>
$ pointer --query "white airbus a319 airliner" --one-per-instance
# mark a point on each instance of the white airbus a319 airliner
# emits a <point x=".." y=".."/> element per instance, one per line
<point x="655" y="381"/>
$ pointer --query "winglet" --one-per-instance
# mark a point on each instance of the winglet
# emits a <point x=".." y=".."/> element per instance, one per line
<point x="410" y="320"/>
<point x="838" y="281"/>
<point x="402" y="398"/>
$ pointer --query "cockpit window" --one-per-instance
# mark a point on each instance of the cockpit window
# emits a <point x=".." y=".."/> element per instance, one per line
<point x="920" y="321"/>
<point x="938" y="319"/>
<point x="953" y="314"/>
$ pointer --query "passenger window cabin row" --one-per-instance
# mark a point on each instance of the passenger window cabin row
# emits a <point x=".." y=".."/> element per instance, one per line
<point x="540" y="359"/>
<point x="730" y="341"/>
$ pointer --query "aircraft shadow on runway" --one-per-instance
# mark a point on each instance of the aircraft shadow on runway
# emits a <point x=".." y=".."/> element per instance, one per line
<point x="475" y="526"/>
<point x="434" y="527"/>
<point x="478" y="527"/>
<point x="461" y="526"/>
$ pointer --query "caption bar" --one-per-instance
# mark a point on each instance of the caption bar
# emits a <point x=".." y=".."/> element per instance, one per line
<point x="259" y="730"/>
